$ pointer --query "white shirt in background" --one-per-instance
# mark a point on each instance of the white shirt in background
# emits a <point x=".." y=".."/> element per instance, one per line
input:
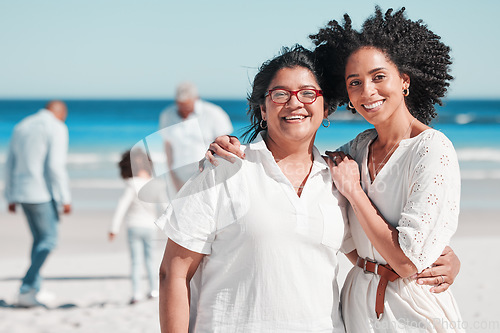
<point x="36" y="161"/>
<point x="271" y="256"/>
<point x="190" y="137"/>
<point x="133" y="211"/>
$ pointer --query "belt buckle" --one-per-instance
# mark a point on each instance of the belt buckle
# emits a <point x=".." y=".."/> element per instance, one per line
<point x="372" y="261"/>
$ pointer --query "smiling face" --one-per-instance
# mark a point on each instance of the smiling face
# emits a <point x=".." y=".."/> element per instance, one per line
<point x="374" y="85"/>
<point x="293" y="122"/>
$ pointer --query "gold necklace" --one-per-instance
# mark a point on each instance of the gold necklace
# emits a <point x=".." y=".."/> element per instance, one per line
<point x="380" y="165"/>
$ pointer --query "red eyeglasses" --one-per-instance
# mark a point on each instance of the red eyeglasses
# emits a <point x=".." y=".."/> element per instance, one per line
<point x="282" y="96"/>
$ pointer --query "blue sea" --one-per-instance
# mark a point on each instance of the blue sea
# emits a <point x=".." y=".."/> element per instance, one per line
<point x="100" y="130"/>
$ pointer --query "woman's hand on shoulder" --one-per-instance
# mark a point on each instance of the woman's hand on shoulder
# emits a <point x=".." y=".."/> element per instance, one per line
<point x="224" y="146"/>
<point x="345" y="172"/>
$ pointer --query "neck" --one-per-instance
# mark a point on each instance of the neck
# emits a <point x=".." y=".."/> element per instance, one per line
<point x="395" y="129"/>
<point x="296" y="152"/>
<point x="143" y="174"/>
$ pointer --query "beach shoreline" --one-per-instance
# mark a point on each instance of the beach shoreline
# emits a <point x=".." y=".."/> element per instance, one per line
<point x="90" y="275"/>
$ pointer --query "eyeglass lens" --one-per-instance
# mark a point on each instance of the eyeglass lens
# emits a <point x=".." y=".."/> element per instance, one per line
<point x="283" y="96"/>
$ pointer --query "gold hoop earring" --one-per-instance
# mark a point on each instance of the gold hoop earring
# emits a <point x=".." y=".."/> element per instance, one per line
<point x="406" y="92"/>
<point x="327" y="122"/>
<point x="350" y="106"/>
<point x="263" y="124"/>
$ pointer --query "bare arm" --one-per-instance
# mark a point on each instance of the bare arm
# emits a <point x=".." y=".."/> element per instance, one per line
<point x="384" y="237"/>
<point x="177" y="268"/>
<point x="352" y="256"/>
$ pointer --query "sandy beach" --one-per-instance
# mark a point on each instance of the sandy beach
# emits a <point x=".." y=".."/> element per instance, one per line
<point x="89" y="275"/>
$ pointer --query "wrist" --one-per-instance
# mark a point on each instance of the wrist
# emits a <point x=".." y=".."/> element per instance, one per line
<point x="355" y="193"/>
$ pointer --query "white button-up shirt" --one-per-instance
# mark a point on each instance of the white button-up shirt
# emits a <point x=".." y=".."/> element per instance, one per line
<point x="36" y="161"/>
<point x="190" y="137"/>
<point x="271" y="263"/>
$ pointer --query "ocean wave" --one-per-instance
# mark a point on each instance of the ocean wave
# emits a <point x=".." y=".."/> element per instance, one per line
<point x="93" y="183"/>
<point x="92" y="158"/>
<point x="479" y="154"/>
<point x="479" y="174"/>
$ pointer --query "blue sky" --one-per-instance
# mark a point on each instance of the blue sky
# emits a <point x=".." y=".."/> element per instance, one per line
<point x="143" y="49"/>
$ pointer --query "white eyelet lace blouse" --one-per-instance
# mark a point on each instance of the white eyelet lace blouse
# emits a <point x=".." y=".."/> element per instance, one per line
<point x="418" y="192"/>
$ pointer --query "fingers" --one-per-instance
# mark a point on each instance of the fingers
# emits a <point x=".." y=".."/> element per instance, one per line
<point x="224" y="146"/>
<point x="436" y="276"/>
<point x="227" y="144"/>
<point x="236" y="143"/>
<point x="439" y="283"/>
<point x="201" y="163"/>
<point x="338" y="156"/>
<point x="209" y="155"/>
<point x="12" y="207"/>
<point x="334" y="157"/>
<point x="439" y="289"/>
<point x="67" y="209"/>
<point x="331" y="163"/>
<point x="434" y="271"/>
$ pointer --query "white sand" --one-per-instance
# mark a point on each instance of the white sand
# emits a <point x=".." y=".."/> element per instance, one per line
<point x="91" y="274"/>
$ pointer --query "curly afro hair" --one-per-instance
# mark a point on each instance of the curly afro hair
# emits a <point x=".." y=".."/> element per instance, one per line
<point x="410" y="45"/>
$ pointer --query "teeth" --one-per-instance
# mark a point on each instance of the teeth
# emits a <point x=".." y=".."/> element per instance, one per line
<point x="374" y="105"/>
<point x="294" y="117"/>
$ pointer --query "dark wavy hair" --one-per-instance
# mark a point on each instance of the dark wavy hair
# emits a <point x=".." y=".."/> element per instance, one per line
<point x="410" y="45"/>
<point x="296" y="56"/>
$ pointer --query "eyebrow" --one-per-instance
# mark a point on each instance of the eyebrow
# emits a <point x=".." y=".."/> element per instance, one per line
<point x="370" y="72"/>
<point x="306" y="86"/>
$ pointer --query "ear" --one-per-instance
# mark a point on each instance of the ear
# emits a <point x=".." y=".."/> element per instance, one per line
<point x="406" y="80"/>
<point x="263" y="111"/>
<point x="325" y="113"/>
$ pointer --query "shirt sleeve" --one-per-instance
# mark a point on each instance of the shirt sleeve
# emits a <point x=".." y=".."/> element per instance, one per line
<point x="56" y="165"/>
<point x="430" y="214"/>
<point x="347" y="241"/>
<point x="122" y="208"/>
<point x="221" y="121"/>
<point x="207" y="203"/>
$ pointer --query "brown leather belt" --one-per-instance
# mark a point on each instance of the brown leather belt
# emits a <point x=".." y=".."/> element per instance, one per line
<point x="386" y="274"/>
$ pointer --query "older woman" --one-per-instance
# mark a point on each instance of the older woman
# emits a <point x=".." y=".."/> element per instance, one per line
<point x="261" y="234"/>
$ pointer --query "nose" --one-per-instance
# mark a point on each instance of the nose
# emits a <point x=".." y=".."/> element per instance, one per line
<point x="294" y="101"/>
<point x="368" y="89"/>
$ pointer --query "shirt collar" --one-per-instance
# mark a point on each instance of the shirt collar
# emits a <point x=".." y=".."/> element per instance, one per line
<point x="48" y="112"/>
<point x="319" y="163"/>
<point x="197" y="107"/>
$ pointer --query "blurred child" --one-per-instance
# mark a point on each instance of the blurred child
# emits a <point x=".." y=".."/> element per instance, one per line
<point x="139" y="216"/>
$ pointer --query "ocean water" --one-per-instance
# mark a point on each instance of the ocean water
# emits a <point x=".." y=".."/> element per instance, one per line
<point x="100" y="130"/>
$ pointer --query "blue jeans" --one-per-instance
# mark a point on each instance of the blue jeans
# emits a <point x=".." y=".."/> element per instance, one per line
<point x="140" y="242"/>
<point x="43" y="221"/>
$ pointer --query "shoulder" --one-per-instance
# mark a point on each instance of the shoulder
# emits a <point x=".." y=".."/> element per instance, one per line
<point x="59" y="127"/>
<point x="210" y="108"/>
<point x="363" y="137"/>
<point x="212" y="175"/>
<point x="169" y="116"/>
<point x="431" y="150"/>
<point x="433" y="142"/>
<point x="170" y="109"/>
<point x="359" y="142"/>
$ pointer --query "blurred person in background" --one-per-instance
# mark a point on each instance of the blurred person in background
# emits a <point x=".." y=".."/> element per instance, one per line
<point x="187" y="127"/>
<point x="135" y="169"/>
<point x="37" y="180"/>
